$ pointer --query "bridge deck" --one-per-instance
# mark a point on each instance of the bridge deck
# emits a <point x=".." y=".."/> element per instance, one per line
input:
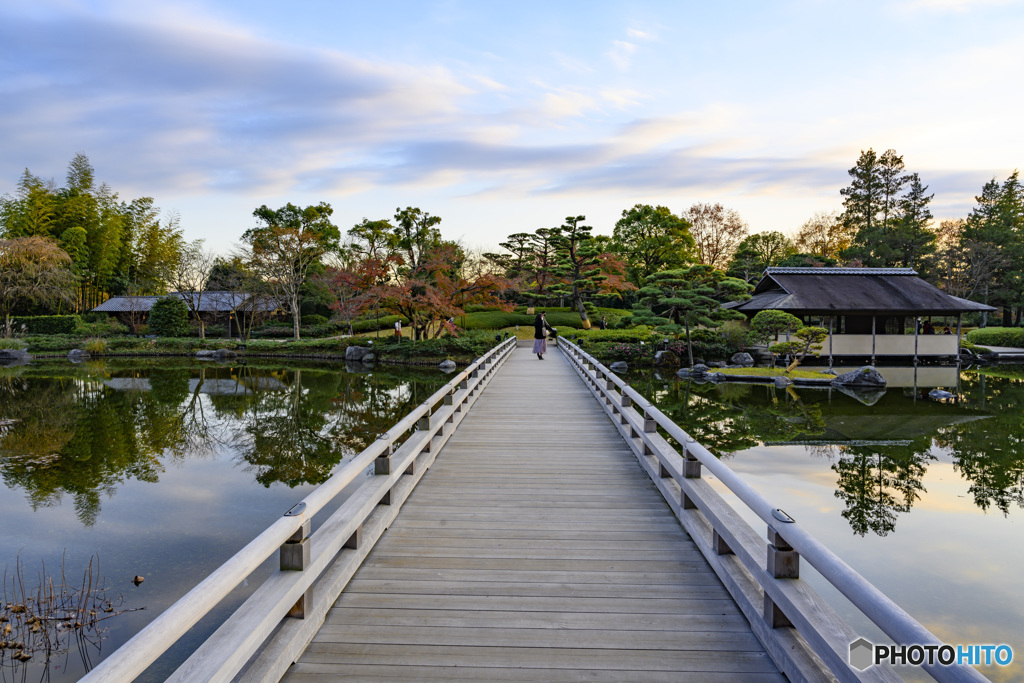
<point x="535" y="548"/>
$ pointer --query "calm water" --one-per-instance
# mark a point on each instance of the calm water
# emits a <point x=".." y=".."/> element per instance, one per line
<point x="166" y="469"/>
<point x="923" y="498"/>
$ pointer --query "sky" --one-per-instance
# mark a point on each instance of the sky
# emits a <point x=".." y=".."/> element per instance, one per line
<point x="508" y="117"/>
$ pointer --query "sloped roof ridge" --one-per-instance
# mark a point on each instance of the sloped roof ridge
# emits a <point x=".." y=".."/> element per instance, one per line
<point x="810" y="270"/>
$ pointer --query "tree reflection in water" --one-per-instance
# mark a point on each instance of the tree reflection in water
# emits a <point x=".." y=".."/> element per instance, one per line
<point x="879" y="453"/>
<point x="990" y="454"/>
<point x="84" y="430"/>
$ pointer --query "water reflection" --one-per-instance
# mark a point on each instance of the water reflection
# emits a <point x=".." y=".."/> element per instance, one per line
<point x="84" y="430"/>
<point x="990" y="455"/>
<point x="878" y="450"/>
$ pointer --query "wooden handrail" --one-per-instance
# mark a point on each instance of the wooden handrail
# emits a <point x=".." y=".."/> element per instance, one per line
<point x="704" y="513"/>
<point x="132" y="658"/>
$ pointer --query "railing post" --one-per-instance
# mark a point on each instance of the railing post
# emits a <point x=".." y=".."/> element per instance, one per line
<point x="650" y="427"/>
<point x="295" y="556"/>
<point x="691" y="465"/>
<point x="423" y="425"/>
<point x="382" y="465"/>
<point x="626" y="402"/>
<point x="719" y="544"/>
<point x="782" y="563"/>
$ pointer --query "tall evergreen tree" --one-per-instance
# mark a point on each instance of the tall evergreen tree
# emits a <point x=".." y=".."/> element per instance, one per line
<point x="913" y="239"/>
<point x="578" y="262"/>
<point x="863" y="197"/>
<point x="890" y="225"/>
<point x="998" y="219"/>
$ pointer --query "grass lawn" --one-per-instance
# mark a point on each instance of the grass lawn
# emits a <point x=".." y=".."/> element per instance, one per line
<point x="772" y="372"/>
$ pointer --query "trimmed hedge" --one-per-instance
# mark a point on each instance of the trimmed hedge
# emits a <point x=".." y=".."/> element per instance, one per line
<point x="47" y="324"/>
<point x="465" y="347"/>
<point x="997" y="336"/>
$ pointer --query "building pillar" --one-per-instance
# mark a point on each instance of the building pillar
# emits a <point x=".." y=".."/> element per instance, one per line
<point x="917" y="327"/>
<point x="830" y="319"/>
<point x="873" y="319"/>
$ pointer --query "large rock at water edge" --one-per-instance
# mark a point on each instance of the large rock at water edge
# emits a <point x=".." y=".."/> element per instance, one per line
<point x="14" y="356"/>
<point x="619" y="366"/>
<point x="357" y="352"/>
<point x="865" y="377"/>
<point x="224" y="354"/>
<point x="78" y="355"/>
<point x="368" y="358"/>
<point x="744" y="359"/>
<point x="782" y="382"/>
<point x="446" y="365"/>
<point x="204" y="354"/>
<point x="662" y="358"/>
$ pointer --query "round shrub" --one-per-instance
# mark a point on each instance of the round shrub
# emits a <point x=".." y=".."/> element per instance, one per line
<point x="169" y="317"/>
<point x="97" y="346"/>
<point x="314" y="319"/>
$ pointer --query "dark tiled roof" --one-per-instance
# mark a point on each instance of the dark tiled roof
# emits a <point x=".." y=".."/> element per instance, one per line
<point x="825" y="291"/>
<point x="126" y="304"/>
<point x="221" y="302"/>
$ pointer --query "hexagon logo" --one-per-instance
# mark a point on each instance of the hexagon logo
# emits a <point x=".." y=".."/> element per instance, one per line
<point x="861" y="654"/>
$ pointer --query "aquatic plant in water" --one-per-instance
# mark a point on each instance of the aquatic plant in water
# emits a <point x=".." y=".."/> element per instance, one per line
<point x="51" y="618"/>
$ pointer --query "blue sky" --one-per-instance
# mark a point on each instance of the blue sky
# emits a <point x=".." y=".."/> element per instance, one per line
<point x="507" y="117"/>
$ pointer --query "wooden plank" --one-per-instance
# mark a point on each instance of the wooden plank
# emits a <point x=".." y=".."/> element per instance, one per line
<point x="485" y="619"/>
<point x="723" y="641"/>
<point x="615" y="659"/>
<point x="402" y="674"/>
<point x="623" y="601"/>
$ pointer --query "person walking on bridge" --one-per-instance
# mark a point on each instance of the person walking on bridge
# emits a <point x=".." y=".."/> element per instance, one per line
<point x="540" y="335"/>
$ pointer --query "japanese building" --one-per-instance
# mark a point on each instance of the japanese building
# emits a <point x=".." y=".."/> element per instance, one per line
<point x="869" y="312"/>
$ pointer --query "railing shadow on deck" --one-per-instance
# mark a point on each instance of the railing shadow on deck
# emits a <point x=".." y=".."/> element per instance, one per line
<point x="800" y="631"/>
<point x="315" y="567"/>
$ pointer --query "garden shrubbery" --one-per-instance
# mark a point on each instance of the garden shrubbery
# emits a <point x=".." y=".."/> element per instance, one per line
<point x="639" y="344"/>
<point x="169" y="317"/>
<point x="46" y="324"/>
<point x="997" y="336"/>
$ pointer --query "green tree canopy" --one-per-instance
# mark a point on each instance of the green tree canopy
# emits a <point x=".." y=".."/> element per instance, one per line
<point x="651" y="239"/>
<point x="757" y="252"/>
<point x="286" y="244"/>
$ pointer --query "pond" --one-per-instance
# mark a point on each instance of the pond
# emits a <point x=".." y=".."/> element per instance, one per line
<point x="922" y="497"/>
<point x="162" y="470"/>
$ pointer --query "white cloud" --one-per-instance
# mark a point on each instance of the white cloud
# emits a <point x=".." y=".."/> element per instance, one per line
<point x="621" y="54"/>
<point x="565" y="104"/>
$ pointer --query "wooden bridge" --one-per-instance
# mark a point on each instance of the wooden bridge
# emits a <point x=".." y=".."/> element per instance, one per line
<point x="544" y="541"/>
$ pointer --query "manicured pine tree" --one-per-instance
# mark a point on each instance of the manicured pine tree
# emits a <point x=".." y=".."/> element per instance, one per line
<point x="577" y="264"/>
<point x="674" y="301"/>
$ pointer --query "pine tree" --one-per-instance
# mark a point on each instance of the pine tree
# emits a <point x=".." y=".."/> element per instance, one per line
<point x="577" y="264"/>
<point x="675" y="301"/>
<point x="913" y="240"/>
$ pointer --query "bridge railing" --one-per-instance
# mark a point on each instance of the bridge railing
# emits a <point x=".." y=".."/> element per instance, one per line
<point x="315" y="566"/>
<point x="761" y="573"/>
